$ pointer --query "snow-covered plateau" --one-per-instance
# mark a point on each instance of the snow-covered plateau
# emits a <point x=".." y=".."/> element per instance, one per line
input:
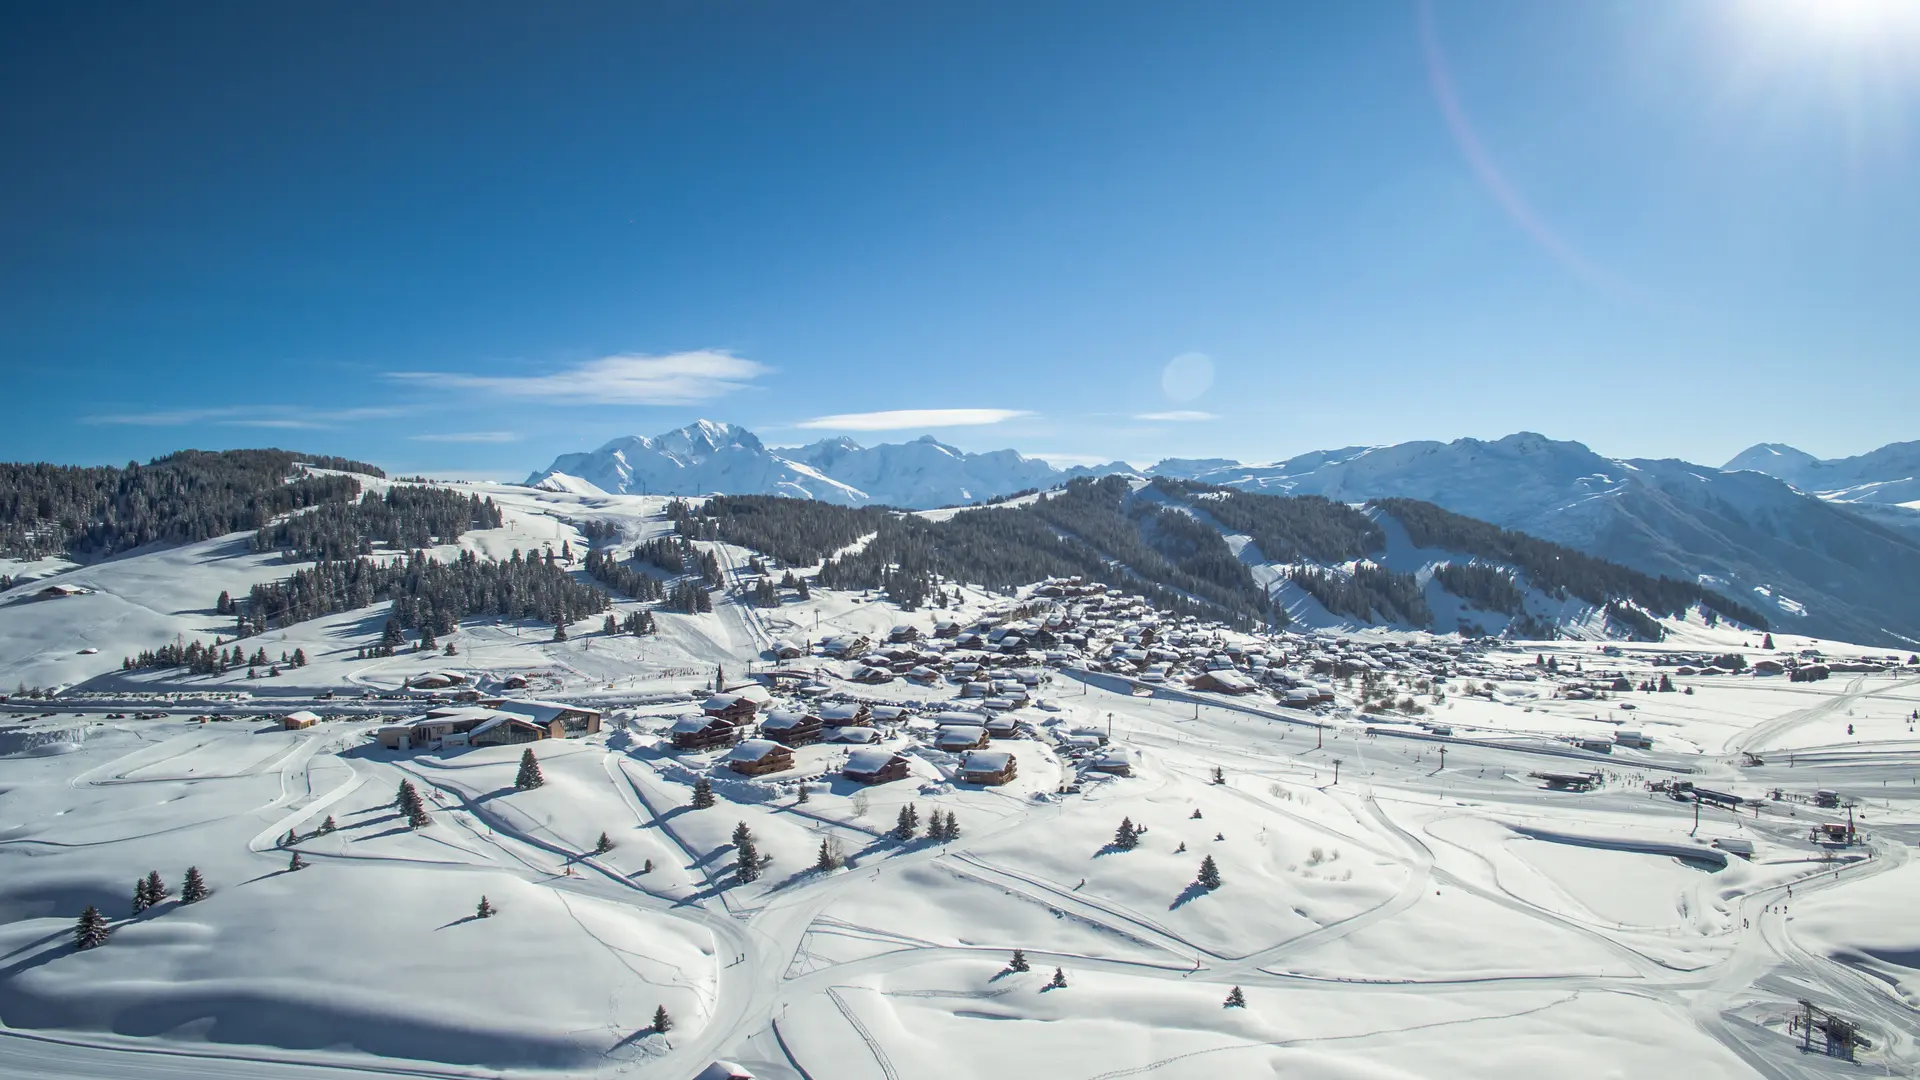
<point x="1349" y="852"/>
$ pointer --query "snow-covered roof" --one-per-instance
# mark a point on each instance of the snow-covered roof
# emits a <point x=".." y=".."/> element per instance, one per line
<point x="780" y="719"/>
<point x="688" y="725"/>
<point x="723" y="702"/>
<point x="869" y="759"/>
<point x="841" y="710"/>
<point x="853" y="735"/>
<point x="544" y="712"/>
<point x="985" y="761"/>
<point x="753" y="750"/>
<point x="302" y="716"/>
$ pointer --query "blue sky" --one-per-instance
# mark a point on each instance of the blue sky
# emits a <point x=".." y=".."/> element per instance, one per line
<point x="462" y="238"/>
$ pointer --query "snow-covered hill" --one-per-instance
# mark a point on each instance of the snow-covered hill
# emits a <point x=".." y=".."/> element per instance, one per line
<point x="1881" y="484"/>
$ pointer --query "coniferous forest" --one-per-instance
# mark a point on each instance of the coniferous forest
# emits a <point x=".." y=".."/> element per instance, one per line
<point x="428" y="594"/>
<point x="408" y="516"/>
<point x="183" y="497"/>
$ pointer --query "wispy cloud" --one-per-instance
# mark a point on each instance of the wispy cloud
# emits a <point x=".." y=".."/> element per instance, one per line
<point x="1176" y="416"/>
<point x="469" y="437"/>
<point x="675" y="379"/>
<point x="913" y="418"/>
<point x="291" y="417"/>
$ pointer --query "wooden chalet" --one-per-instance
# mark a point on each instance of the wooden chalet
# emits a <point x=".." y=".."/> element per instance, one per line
<point x="957" y="738"/>
<point x="874" y="765"/>
<point x="704" y="732"/>
<point x="846" y="714"/>
<point x="757" y="757"/>
<point x="903" y="632"/>
<point x="1224" y="681"/>
<point x="989" y="767"/>
<point x="735" y="708"/>
<point x="791" y="727"/>
<point x="561" y="719"/>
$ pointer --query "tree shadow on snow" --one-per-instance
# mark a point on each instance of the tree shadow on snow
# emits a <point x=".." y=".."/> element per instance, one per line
<point x="1192" y="892"/>
<point x="464" y="919"/>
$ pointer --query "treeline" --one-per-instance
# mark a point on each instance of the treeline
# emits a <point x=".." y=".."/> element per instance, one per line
<point x="179" y="498"/>
<point x="1371" y="594"/>
<point x="797" y="532"/>
<point x="1488" y="588"/>
<point x="623" y="576"/>
<point x="405" y="517"/>
<point x="215" y="659"/>
<point x="1286" y="528"/>
<point x="1559" y="571"/>
<point x="427" y="594"/>
<point x="1638" y="624"/>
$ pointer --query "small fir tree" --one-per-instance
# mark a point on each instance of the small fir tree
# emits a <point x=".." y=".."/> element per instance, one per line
<point x="1209" y="878"/>
<point x="1196" y="814"/>
<point x="194" y="888"/>
<point x="746" y="860"/>
<point x="290" y="839"/>
<point x="485" y="910"/>
<point x="662" y="1023"/>
<point x="141" y="901"/>
<point x="1219" y="775"/>
<point x="156" y="888"/>
<point x="1059" y="981"/>
<point x="327" y="826"/>
<point x="404" y="798"/>
<point x="529" y="776"/>
<point x="953" y="828"/>
<point x="702" y="793"/>
<point x="559" y="631"/>
<point x="92" y="929"/>
<point x="825" y="862"/>
<point x="1125" y="838"/>
<point x="1019" y="961"/>
<point x="904" y="826"/>
<point x="802" y="795"/>
<point x="418" y="818"/>
<point x="604" y="845"/>
<point x="1235" y="999"/>
<point x="296" y="863"/>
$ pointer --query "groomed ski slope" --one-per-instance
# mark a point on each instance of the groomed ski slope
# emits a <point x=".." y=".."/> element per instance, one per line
<point x="1413" y="919"/>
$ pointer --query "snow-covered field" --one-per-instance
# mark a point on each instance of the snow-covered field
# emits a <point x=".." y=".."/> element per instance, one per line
<point x="1419" y="917"/>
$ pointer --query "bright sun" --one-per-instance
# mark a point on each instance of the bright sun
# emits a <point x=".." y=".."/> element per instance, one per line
<point x="1863" y="20"/>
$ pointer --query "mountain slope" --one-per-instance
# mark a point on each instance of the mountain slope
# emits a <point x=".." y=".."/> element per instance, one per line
<point x="1816" y="567"/>
<point x="1883" y="484"/>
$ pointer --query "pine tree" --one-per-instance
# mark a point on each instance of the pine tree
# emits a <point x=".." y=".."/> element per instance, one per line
<point x="290" y="839"/>
<point x="156" y="888"/>
<point x="1196" y="814"/>
<point x="1059" y="981"/>
<point x="1219" y="775"/>
<point x="529" y="776"/>
<point x="747" y="860"/>
<point x="141" y="901"/>
<point x="1209" y="878"/>
<point x="1125" y="838"/>
<point x="825" y="862"/>
<point x="404" y="798"/>
<point x="418" y="818"/>
<point x="451" y="649"/>
<point x="647" y="869"/>
<point x="702" y="793"/>
<point x="1235" y="999"/>
<point x="92" y="929"/>
<point x="559" y="631"/>
<point x="485" y="910"/>
<point x="327" y="826"/>
<point x="194" y="888"/>
<point x="741" y="834"/>
<point x="605" y="845"/>
<point x="296" y="863"/>
<point x="953" y="828"/>
<point x="904" y="826"/>
<point x="1019" y="961"/>
<point x="662" y="1023"/>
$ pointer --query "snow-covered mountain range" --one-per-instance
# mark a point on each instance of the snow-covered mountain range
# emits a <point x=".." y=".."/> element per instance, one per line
<point x="707" y="457"/>
<point x="1815" y="542"/>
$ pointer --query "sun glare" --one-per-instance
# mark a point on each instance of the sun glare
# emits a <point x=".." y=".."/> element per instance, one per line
<point x="1876" y="22"/>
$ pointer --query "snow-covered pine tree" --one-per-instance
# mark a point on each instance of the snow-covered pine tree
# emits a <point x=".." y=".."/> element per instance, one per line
<point x="1219" y="775"/>
<point x="559" y="631"/>
<point x="802" y="795"/>
<point x="702" y="793"/>
<point x="296" y="863"/>
<point x="418" y="818"/>
<point x="1019" y="961"/>
<point x="406" y="796"/>
<point x="1125" y="838"/>
<point x="741" y="834"/>
<point x="1059" y="981"/>
<point x="485" y="910"/>
<point x="194" y="888"/>
<point x="1235" y="999"/>
<point x="141" y="901"/>
<point x="662" y="1023"/>
<point x="156" y="888"/>
<point x="1209" y="878"/>
<point x="328" y="826"/>
<point x="92" y="929"/>
<point x="611" y="626"/>
<point x="903" y="826"/>
<point x="529" y="776"/>
<point x="953" y="827"/>
<point x="604" y="845"/>
<point x="290" y="839"/>
<point x="1196" y="814"/>
<point x="746" y="860"/>
<point x="825" y="862"/>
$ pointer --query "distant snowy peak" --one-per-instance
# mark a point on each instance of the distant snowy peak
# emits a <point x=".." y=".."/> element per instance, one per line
<point x="1889" y="475"/>
<point x="707" y="457"/>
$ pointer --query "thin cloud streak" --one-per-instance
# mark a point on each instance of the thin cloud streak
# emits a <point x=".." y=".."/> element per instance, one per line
<point x="900" y="419"/>
<point x="628" y="379"/>
<point x="253" y="416"/>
